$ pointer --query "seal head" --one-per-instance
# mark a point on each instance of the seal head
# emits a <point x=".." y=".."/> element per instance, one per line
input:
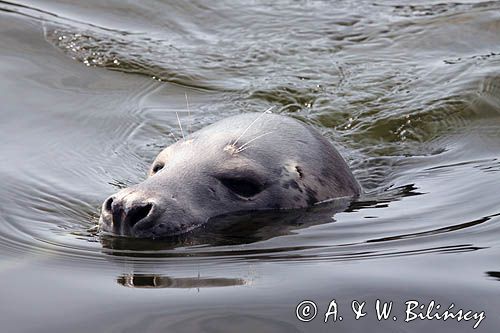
<point x="242" y="163"/>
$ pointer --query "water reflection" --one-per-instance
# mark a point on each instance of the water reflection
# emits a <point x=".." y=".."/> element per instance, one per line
<point x="161" y="281"/>
<point x="493" y="274"/>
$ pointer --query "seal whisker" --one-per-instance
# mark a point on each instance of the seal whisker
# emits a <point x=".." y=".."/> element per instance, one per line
<point x="173" y="135"/>
<point x="245" y="145"/>
<point x="242" y="149"/>
<point x="253" y="122"/>
<point x="180" y="126"/>
<point x="190" y="120"/>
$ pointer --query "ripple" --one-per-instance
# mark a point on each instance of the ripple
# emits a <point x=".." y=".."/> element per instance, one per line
<point x="398" y="119"/>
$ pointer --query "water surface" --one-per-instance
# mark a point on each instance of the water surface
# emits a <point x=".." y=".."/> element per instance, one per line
<point x="408" y="91"/>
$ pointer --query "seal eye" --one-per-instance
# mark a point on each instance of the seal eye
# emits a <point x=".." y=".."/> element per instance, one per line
<point x="157" y="167"/>
<point x="244" y="187"/>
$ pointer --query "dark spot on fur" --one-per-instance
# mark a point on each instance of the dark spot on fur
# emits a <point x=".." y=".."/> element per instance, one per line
<point x="297" y="198"/>
<point x="212" y="193"/>
<point x="299" y="171"/>
<point x="311" y="196"/>
<point x="321" y="181"/>
<point x="292" y="184"/>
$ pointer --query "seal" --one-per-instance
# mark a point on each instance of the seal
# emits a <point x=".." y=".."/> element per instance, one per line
<point x="246" y="162"/>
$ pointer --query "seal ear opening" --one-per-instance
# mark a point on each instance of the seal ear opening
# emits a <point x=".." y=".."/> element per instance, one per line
<point x="245" y="187"/>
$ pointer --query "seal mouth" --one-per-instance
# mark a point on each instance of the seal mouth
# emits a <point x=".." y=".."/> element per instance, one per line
<point x="182" y="230"/>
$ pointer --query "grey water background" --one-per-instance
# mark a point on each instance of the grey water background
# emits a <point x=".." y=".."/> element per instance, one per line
<point x="408" y="91"/>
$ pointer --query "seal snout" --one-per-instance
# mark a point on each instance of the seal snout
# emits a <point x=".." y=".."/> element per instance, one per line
<point x="124" y="213"/>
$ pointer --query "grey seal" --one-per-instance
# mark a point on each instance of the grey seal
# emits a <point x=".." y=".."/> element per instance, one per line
<point x="246" y="162"/>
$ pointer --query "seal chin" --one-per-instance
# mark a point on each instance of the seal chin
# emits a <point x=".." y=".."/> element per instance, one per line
<point x="156" y="229"/>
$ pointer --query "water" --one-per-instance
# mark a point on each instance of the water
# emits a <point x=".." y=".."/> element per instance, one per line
<point x="408" y="91"/>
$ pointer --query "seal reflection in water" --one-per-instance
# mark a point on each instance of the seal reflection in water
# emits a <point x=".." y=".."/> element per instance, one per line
<point x="246" y="162"/>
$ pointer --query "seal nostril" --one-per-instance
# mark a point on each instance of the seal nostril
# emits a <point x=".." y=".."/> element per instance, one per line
<point x="107" y="204"/>
<point x="137" y="213"/>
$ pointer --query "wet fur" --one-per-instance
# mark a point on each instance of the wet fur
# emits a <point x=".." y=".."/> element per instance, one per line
<point x="295" y="166"/>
